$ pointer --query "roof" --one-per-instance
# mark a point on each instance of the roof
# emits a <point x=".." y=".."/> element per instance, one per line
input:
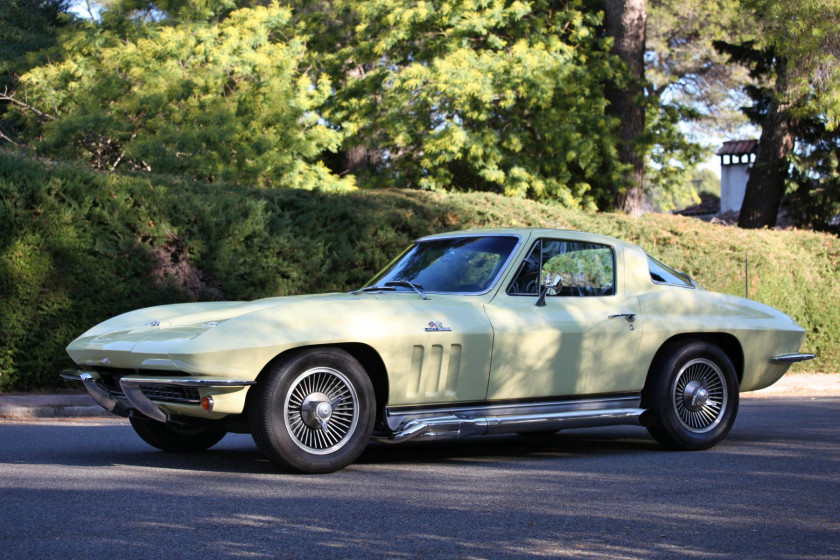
<point x="706" y="208"/>
<point x="737" y="147"/>
<point x="526" y="233"/>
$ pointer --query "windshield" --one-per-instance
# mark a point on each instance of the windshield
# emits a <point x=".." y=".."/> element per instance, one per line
<point x="456" y="265"/>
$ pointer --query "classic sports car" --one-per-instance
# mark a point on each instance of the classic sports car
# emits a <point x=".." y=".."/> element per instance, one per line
<point x="465" y="333"/>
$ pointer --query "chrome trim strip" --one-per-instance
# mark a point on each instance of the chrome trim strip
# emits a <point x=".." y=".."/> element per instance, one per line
<point x="71" y="375"/>
<point x="141" y="402"/>
<point x="131" y="388"/>
<point x="456" y="427"/>
<point x="792" y="358"/>
<point x="101" y="395"/>
<point x="396" y="417"/>
<point x="189" y="382"/>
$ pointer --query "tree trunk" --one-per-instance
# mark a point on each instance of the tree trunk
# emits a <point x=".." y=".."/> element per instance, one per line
<point x="625" y="21"/>
<point x="766" y="184"/>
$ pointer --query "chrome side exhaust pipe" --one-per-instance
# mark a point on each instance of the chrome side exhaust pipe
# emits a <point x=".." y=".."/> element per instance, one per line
<point x="459" y="427"/>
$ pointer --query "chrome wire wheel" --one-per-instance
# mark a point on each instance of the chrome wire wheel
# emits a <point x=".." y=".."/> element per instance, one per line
<point x="700" y="395"/>
<point x="321" y="410"/>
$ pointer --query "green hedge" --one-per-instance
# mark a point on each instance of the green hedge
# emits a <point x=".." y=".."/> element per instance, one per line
<point x="77" y="247"/>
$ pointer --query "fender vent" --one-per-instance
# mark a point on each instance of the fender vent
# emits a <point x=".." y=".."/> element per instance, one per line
<point x="435" y="369"/>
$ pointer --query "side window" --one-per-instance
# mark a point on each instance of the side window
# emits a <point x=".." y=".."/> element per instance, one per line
<point x="587" y="269"/>
<point x="661" y="273"/>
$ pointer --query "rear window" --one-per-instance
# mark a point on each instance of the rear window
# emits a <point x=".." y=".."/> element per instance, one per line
<point x="661" y="273"/>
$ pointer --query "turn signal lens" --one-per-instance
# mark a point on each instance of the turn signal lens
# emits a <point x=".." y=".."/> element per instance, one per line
<point x="207" y="403"/>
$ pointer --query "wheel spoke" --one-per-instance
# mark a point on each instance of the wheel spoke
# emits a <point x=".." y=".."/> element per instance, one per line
<point x="321" y="410"/>
<point x="700" y="395"/>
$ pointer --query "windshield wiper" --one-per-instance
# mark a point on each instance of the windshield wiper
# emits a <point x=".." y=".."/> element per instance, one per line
<point x="374" y="289"/>
<point x="392" y="286"/>
<point x="406" y="284"/>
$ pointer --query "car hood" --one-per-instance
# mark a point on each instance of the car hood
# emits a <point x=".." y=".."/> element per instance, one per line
<point x="194" y="318"/>
<point x="176" y="336"/>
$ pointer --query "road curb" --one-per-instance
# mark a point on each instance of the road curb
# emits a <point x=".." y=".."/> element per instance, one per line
<point x="26" y="412"/>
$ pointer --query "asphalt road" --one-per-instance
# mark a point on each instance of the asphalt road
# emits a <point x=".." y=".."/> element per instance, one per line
<point x="92" y="489"/>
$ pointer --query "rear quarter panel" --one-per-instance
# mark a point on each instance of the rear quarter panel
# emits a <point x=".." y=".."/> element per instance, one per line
<point x="761" y="331"/>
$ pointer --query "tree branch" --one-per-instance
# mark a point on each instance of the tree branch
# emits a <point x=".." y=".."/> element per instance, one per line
<point x="11" y="99"/>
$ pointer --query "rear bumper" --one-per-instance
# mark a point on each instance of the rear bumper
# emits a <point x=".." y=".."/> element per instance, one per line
<point x="133" y="398"/>
<point x="792" y="358"/>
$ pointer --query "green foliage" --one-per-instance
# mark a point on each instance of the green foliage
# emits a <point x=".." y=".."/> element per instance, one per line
<point x="672" y="156"/>
<point x="691" y="91"/>
<point x="29" y="30"/>
<point x="683" y="66"/>
<point x="496" y="96"/>
<point x="492" y="96"/>
<point x="215" y="101"/>
<point x="116" y="13"/>
<point x="696" y="186"/>
<point x="77" y="247"/>
<point x="814" y="200"/>
<point x="795" y="63"/>
<point x="804" y="32"/>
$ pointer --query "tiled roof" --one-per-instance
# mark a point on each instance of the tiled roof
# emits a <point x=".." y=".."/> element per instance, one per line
<point x="737" y="148"/>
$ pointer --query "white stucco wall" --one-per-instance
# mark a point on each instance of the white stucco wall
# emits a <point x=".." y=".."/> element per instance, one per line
<point x="733" y="184"/>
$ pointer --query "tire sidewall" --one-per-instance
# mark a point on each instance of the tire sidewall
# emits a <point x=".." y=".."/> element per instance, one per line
<point x="168" y="437"/>
<point x="268" y="424"/>
<point x="668" y="428"/>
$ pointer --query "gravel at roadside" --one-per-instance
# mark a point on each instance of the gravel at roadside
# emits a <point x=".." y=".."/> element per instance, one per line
<point x="24" y="406"/>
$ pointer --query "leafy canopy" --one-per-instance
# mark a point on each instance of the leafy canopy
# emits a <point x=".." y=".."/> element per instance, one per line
<point x="493" y="96"/>
<point x="225" y="100"/>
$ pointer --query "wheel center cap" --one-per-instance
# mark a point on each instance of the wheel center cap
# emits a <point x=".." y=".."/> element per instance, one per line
<point x="324" y="411"/>
<point x="315" y="410"/>
<point x="696" y="396"/>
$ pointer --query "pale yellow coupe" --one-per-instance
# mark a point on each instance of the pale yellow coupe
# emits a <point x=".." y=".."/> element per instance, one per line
<point x="465" y="333"/>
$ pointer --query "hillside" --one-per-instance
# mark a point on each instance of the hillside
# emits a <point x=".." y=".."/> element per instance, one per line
<point x="79" y="246"/>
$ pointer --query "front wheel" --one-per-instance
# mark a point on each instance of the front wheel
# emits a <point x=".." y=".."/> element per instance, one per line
<point x="313" y="412"/>
<point x="180" y="438"/>
<point x="693" y="391"/>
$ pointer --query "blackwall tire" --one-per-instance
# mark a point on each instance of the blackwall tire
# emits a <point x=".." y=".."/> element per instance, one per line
<point x="693" y="393"/>
<point x="314" y="411"/>
<point x="186" y="438"/>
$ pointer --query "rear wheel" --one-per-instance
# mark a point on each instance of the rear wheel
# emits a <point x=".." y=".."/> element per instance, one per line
<point x="178" y="438"/>
<point x="313" y="412"/>
<point x="693" y="391"/>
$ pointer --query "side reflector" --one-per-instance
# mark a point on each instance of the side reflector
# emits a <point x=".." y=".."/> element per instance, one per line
<point x="207" y="403"/>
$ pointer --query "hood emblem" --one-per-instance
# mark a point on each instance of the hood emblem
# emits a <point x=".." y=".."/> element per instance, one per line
<point x="153" y="324"/>
<point x="437" y="326"/>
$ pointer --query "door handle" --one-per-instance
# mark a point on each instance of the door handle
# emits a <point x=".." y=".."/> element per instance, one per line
<point x="629" y="316"/>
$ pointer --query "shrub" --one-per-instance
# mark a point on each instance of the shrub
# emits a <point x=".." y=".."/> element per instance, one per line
<point x="77" y="247"/>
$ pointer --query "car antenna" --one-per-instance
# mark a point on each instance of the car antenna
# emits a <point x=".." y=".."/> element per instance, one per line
<point x="747" y="274"/>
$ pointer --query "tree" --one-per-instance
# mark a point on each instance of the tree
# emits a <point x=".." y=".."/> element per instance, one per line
<point x="29" y="29"/>
<point x="226" y="100"/>
<point x="814" y="202"/>
<point x="685" y="71"/>
<point x="494" y="96"/>
<point x="691" y="90"/>
<point x="625" y="21"/>
<point x="797" y="56"/>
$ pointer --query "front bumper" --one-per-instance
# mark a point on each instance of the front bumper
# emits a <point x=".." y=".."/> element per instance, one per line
<point x="134" y="395"/>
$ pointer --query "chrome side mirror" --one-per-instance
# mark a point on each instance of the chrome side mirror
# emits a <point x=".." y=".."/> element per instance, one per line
<point x="551" y="283"/>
